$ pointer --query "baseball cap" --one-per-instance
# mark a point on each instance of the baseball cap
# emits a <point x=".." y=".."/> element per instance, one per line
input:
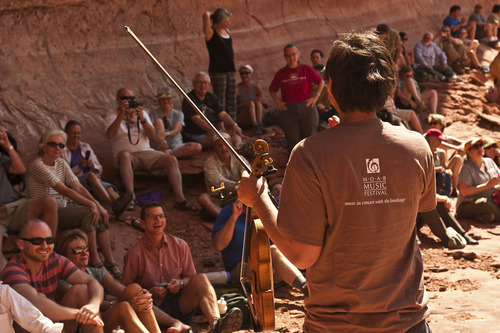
<point x="437" y="133"/>
<point x="164" y="93"/>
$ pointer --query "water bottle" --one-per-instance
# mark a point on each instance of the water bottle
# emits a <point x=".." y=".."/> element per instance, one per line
<point x="118" y="330"/>
<point x="222" y="305"/>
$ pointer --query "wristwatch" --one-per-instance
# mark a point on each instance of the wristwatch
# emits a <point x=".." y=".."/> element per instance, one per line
<point x="181" y="282"/>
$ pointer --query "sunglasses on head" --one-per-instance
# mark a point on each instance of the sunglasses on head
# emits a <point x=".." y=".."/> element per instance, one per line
<point x="80" y="249"/>
<point x="39" y="240"/>
<point x="55" y="144"/>
<point x="130" y="98"/>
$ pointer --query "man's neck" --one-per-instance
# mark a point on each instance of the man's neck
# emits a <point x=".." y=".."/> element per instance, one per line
<point x="200" y="97"/>
<point x="356" y="116"/>
<point x="155" y="239"/>
<point x="34" y="266"/>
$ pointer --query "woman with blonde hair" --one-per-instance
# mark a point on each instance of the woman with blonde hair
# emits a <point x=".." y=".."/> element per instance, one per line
<point x="129" y="307"/>
<point x="50" y="175"/>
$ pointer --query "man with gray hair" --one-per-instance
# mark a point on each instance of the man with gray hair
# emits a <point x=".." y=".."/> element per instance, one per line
<point x="196" y="128"/>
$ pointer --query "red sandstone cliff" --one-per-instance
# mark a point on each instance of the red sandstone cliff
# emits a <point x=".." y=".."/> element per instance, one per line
<point x="64" y="59"/>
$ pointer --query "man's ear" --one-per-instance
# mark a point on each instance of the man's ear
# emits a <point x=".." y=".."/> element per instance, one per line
<point x="330" y="96"/>
<point x="20" y="244"/>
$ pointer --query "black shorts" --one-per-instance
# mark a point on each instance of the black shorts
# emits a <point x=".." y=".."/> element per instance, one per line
<point x="170" y="306"/>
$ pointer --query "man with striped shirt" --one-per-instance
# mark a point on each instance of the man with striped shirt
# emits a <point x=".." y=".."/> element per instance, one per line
<point x="35" y="273"/>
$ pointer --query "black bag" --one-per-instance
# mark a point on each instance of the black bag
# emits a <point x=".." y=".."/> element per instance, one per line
<point x="235" y="300"/>
<point x="443" y="183"/>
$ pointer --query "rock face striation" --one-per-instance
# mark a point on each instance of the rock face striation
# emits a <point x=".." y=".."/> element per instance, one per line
<point x="65" y="59"/>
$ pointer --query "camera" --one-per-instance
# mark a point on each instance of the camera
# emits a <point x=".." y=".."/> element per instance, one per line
<point x="134" y="104"/>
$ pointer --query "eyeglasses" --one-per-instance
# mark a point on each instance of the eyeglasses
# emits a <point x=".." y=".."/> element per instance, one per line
<point x="477" y="146"/>
<point x="80" y="249"/>
<point x="55" y="144"/>
<point x="154" y="217"/>
<point x="39" y="240"/>
<point x="130" y="98"/>
<point x="202" y="82"/>
<point x="245" y="73"/>
<point x="433" y="123"/>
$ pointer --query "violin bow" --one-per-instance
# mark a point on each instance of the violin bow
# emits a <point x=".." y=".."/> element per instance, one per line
<point x="214" y="130"/>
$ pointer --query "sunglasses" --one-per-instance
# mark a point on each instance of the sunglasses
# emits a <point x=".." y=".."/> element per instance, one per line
<point x="493" y="146"/>
<point x="477" y="146"/>
<point x="433" y="123"/>
<point x="39" y="240"/>
<point x="245" y="73"/>
<point x="55" y="144"/>
<point x="123" y="98"/>
<point x="80" y="249"/>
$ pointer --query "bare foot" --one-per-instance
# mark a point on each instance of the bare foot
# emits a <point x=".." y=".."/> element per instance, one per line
<point x="178" y="327"/>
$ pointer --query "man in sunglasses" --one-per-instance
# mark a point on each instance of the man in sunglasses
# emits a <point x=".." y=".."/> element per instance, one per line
<point x="14" y="207"/>
<point x="35" y="273"/>
<point x="129" y="130"/>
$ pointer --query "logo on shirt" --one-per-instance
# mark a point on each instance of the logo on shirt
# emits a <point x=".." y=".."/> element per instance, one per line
<point x="374" y="185"/>
<point x="372" y="165"/>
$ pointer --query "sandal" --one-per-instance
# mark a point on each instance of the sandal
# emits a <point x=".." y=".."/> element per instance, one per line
<point x="136" y="224"/>
<point x="109" y="266"/>
<point x="131" y="206"/>
<point x="185" y="205"/>
<point x="122" y="203"/>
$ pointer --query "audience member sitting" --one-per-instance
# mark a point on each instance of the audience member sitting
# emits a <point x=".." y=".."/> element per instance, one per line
<point x="15" y="307"/>
<point x="50" y="175"/>
<point x="317" y="60"/>
<point x="129" y="130"/>
<point x="399" y="116"/>
<point x="15" y="209"/>
<point x="426" y="52"/>
<point x="196" y="128"/>
<point x="35" y="273"/>
<point x="249" y="100"/>
<point x="228" y="237"/>
<point x="85" y="165"/>
<point x="453" y="21"/>
<point x="163" y="264"/>
<point x="472" y="46"/>
<point x="129" y="307"/>
<point x="455" y="161"/>
<point x="407" y="55"/>
<point x="481" y="30"/>
<point x="392" y="41"/>
<point x="409" y="96"/>
<point x="491" y="150"/>
<point x="477" y="180"/>
<point x="168" y="123"/>
<point x="454" y="49"/>
<point x="221" y="167"/>
<point x="494" y="18"/>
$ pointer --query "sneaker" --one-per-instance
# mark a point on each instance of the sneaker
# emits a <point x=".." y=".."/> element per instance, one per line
<point x="262" y="128"/>
<point x="122" y="203"/>
<point x="230" y="322"/>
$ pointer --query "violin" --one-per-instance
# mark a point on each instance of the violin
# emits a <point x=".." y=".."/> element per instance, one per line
<point x="256" y="263"/>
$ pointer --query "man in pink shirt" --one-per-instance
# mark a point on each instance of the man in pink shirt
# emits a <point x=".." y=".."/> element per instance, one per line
<point x="162" y="263"/>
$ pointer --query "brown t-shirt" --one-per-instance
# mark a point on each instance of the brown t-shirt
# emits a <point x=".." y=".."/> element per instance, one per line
<point x="355" y="190"/>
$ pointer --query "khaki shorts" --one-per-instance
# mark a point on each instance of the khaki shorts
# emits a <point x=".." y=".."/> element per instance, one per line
<point x="13" y="215"/>
<point x="404" y="114"/>
<point x="142" y="160"/>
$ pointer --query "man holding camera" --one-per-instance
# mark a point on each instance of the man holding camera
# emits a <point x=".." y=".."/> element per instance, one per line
<point x="129" y="128"/>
